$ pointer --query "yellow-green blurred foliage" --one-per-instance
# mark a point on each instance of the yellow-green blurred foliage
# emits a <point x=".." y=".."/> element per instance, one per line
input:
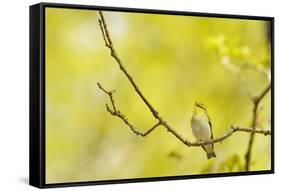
<point x="175" y="60"/>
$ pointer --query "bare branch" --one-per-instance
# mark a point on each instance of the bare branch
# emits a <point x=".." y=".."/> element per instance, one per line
<point x="256" y="101"/>
<point x="104" y="28"/>
<point x="258" y="98"/>
<point x="118" y="114"/>
<point x="232" y="130"/>
<point x="103" y="33"/>
<point x="229" y="133"/>
<point x="253" y="130"/>
<point x="122" y="68"/>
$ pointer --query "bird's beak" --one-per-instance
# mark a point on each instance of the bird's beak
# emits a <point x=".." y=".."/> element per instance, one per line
<point x="195" y="105"/>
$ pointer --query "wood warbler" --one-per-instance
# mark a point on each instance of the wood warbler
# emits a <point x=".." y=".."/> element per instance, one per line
<point x="202" y="128"/>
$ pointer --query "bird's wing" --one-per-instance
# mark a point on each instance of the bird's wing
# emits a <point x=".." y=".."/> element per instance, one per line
<point x="204" y="148"/>
<point x="209" y="121"/>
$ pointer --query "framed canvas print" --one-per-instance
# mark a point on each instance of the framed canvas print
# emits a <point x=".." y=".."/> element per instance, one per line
<point x="123" y="95"/>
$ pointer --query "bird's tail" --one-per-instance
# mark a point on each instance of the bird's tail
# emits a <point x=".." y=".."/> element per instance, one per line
<point x="209" y="149"/>
<point x="211" y="154"/>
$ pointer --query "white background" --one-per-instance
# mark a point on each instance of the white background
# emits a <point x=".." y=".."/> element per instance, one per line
<point x="14" y="90"/>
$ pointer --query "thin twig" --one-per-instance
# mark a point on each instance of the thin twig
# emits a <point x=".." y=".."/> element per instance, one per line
<point x="118" y="114"/>
<point x="256" y="101"/>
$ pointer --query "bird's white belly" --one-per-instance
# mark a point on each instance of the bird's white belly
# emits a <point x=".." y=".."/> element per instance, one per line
<point x="201" y="129"/>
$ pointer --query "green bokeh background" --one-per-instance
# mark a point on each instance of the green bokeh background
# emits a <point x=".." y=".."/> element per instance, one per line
<point x="175" y="60"/>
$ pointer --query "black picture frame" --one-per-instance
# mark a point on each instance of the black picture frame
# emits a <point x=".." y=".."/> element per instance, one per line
<point x="37" y="94"/>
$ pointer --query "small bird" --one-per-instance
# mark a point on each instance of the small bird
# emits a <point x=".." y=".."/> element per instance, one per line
<point x="202" y="128"/>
